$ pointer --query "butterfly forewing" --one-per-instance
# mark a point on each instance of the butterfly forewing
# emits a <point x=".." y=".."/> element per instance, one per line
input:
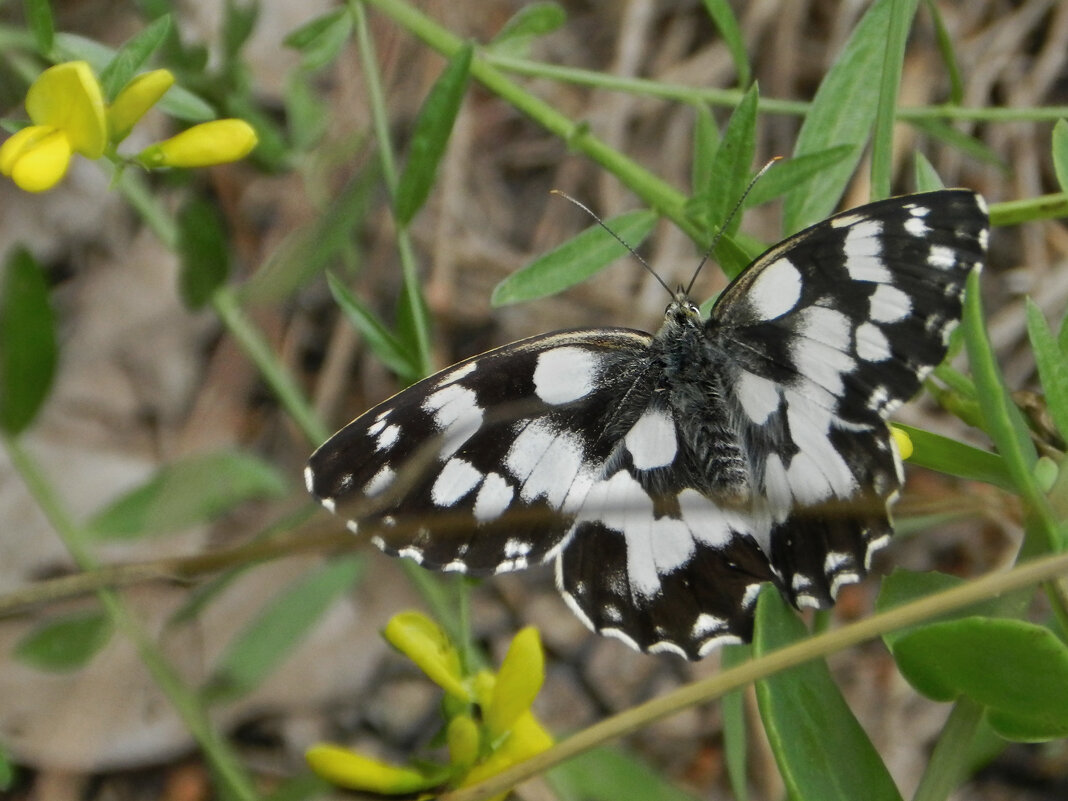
<point x="672" y="474"/>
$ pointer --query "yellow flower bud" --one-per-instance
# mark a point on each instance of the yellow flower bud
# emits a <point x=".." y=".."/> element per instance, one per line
<point x="463" y="740"/>
<point x="356" y="772"/>
<point x="68" y="97"/>
<point x="137" y="97"/>
<point x="36" y="158"/>
<point x="518" y="681"/>
<point x="903" y="442"/>
<point x="203" y="145"/>
<point x="420" y="639"/>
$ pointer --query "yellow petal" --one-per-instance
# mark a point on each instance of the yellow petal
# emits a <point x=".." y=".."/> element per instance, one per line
<point x="36" y="158"/>
<point x="526" y="739"/>
<point x="463" y="740"/>
<point x="903" y="442"/>
<point x="421" y="639"/>
<point x="202" y="145"/>
<point x="67" y="96"/>
<point x="356" y="772"/>
<point x="137" y="97"/>
<point x="518" y="681"/>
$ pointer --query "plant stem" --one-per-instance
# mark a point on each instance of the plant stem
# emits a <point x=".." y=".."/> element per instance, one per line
<point x="225" y="763"/>
<point x="949" y="760"/>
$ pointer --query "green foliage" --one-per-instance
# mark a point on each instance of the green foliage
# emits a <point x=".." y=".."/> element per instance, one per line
<point x="65" y="643"/>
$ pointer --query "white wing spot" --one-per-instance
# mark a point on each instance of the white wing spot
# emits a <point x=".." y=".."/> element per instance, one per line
<point x="493" y="498"/>
<point x="379" y="481"/>
<point x="822" y="350"/>
<point x="457" y="478"/>
<point x="864" y="253"/>
<point x="456" y="414"/>
<point x="514" y="547"/>
<point x="455" y="375"/>
<point x="941" y="257"/>
<point x="309" y="480"/>
<point x="565" y="374"/>
<point x="916" y="226"/>
<point x="776" y="290"/>
<point x="388" y="438"/>
<point x="548" y="462"/>
<point x="706" y="624"/>
<point x="651" y="440"/>
<point x="888" y="304"/>
<point x="375" y="427"/>
<point x="759" y="396"/>
<point x="413" y="553"/>
<point x="872" y="344"/>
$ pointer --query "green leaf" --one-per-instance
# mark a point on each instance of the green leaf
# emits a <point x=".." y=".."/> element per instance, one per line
<point x="41" y="24"/>
<point x="789" y="174"/>
<point x="1052" y="366"/>
<point x="820" y="748"/>
<point x="895" y="37"/>
<point x="239" y="20"/>
<point x="841" y="114"/>
<point x="265" y="642"/>
<point x="927" y="178"/>
<point x="133" y="54"/>
<point x="8" y="770"/>
<point x="949" y="56"/>
<point x="186" y="493"/>
<point x="387" y="347"/>
<point x="27" y="341"/>
<point x="735" y="740"/>
<point x="954" y="458"/>
<point x="1060" y="153"/>
<point x="706" y="141"/>
<point x="575" y="260"/>
<point x="731" y="167"/>
<point x="611" y="774"/>
<point x="958" y="140"/>
<point x="203" y="250"/>
<point x="529" y="22"/>
<point x="183" y="105"/>
<point x="321" y="40"/>
<point x="1018" y="670"/>
<point x="723" y="16"/>
<point x="412" y="303"/>
<point x="431" y="135"/>
<point x="307" y="115"/>
<point x="65" y="643"/>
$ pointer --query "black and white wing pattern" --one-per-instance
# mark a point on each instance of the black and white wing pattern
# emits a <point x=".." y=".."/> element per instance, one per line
<point x="670" y="475"/>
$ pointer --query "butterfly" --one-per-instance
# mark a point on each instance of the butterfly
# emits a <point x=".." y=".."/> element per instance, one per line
<point x="670" y="475"/>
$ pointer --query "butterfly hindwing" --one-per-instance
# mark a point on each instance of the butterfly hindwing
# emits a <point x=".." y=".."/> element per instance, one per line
<point x="671" y="475"/>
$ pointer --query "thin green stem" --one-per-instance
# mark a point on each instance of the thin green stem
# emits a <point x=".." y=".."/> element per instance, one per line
<point x="713" y="687"/>
<point x="949" y="761"/>
<point x="225" y="763"/>
<point x="412" y="292"/>
<point x="225" y="303"/>
<point x="901" y="15"/>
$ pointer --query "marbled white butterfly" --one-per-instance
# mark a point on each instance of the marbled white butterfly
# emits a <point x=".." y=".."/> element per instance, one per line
<point x="669" y="475"/>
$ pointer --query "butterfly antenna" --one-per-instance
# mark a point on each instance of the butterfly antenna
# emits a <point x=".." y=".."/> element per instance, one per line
<point x="615" y="236"/>
<point x="730" y="218"/>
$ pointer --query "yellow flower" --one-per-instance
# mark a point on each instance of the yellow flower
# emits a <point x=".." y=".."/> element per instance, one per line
<point x="421" y="639"/>
<point x="348" y="769"/>
<point x="136" y="98"/>
<point x="203" y="145"/>
<point x="903" y="442"/>
<point x="67" y="108"/>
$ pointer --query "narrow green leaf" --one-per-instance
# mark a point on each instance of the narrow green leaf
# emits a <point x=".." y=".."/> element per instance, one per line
<point x="183" y="105"/>
<point x="321" y="40"/>
<point x="723" y="16"/>
<point x="1052" y="366"/>
<point x="186" y="493"/>
<point x="27" y="341"/>
<point x="41" y="24"/>
<point x="936" y="452"/>
<point x="927" y="178"/>
<point x="611" y="774"/>
<point x="895" y="37"/>
<point x="65" y="643"/>
<point x="388" y="348"/>
<point x="431" y="135"/>
<point x="958" y="140"/>
<point x="820" y="748"/>
<point x="948" y="53"/>
<point x="411" y="303"/>
<point x="575" y="260"/>
<point x="239" y="20"/>
<point x="735" y="740"/>
<point x="528" y="23"/>
<point x="133" y="54"/>
<point x="841" y="114"/>
<point x="8" y="770"/>
<point x="1060" y="153"/>
<point x="203" y="250"/>
<point x="789" y="174"/>
<point x="732" y="165"/>
<point x="705" y="144"/>
<point x="267" y="640"/>
<point x="1023" y="687"/>
<point x="307" y="114"/>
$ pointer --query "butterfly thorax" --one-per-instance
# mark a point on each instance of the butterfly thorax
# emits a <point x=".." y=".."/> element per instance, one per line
<point x="695" y="372"/>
